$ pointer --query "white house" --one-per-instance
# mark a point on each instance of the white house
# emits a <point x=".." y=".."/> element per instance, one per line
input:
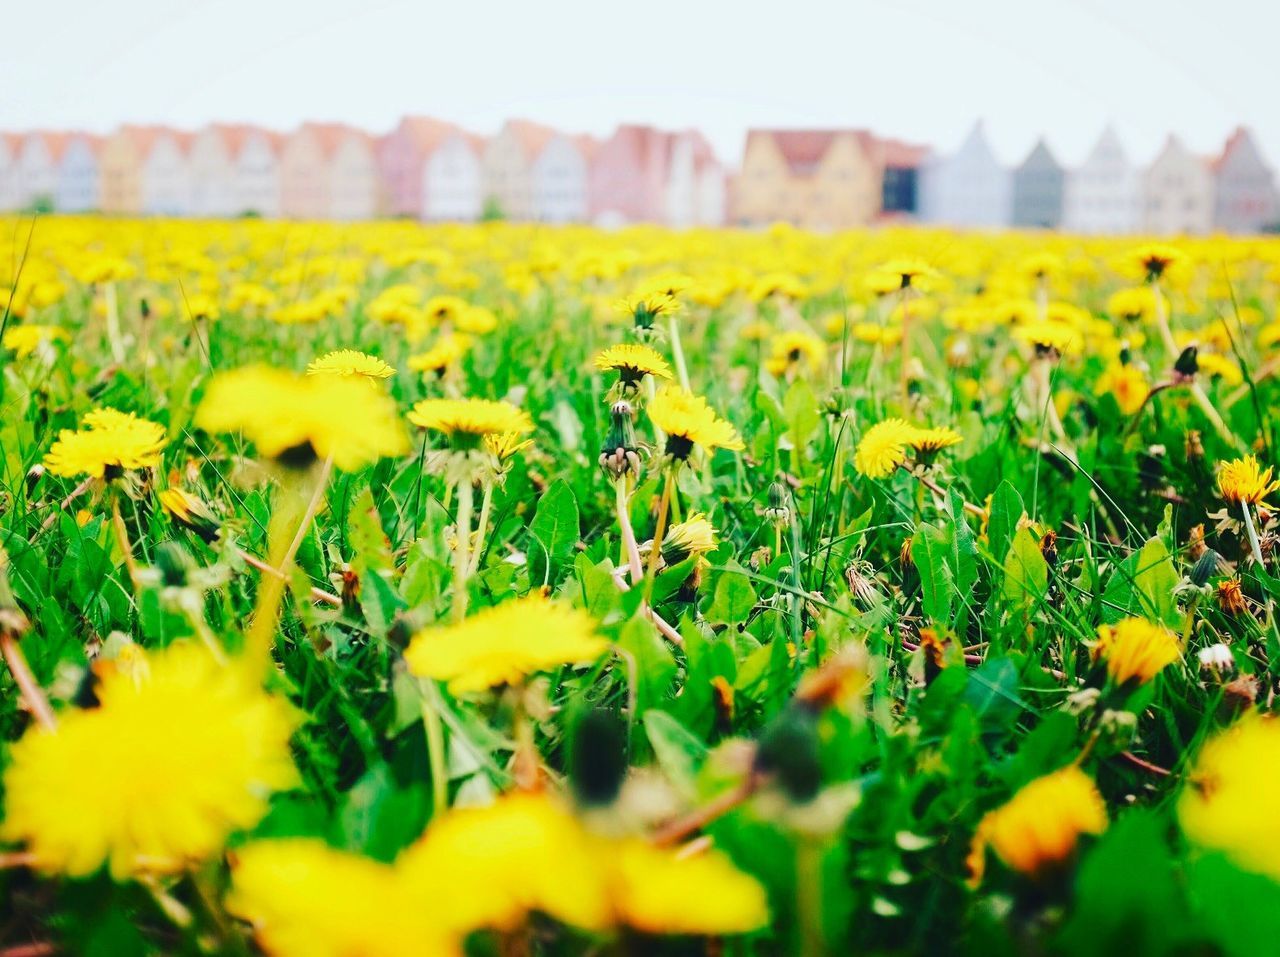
<point x="213" y="191"/>
<point x="38" y="166"/>
<point x="354" y="181"/>
<point x="453" y="179"/>
<point x="695" y="182"/>
<point x="1103" y="195"/>
<point x="969" y="187"/>
<point x="255" y="160"/>
<point x="1245" y="199"/>
<point x="1177" y="192"/>
<point x="79" y="185"/>
<point x="166" y="175"/>
<point x="532" y="172"/>
<point x="10" y="186"/>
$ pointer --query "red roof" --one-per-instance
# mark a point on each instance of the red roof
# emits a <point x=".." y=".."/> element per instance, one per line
<point x="331" y="136"/>
<point x="427" y="133"/>
<point x="533" y="137"/>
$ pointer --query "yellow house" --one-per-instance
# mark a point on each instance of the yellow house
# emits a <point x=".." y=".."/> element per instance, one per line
<point x="816" y="179"/>
<point x="121" y="162"/>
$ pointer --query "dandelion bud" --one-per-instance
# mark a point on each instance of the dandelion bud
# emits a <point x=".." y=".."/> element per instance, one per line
<point x="1151" y="467"/>
<point x="1195" y="543"/>
<point x="598" y="757"/>
<point x="1187" y="364"/>
<point x="779" y="511"/>
<point x="1126" y="354"/>
<point x="788" y="751"/>
<point x="174" y="563"/>
<point x="620" y="453"/>
<point x="1049" y="548"/>
<point x="190" y="512"/>
<point x="859" y="576"/>
<point x="144" y="309"/>
<point x="1206" y="567"/>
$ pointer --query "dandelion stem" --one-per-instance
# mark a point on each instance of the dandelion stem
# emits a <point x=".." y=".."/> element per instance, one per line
<point x="29" y="688"/>
<point x="936" y="489"/>
<point x="906" y="346"/>
<point x="462" y="553"/>
<point x="486" y="505"/>
<point x="1254" y="546"/>
<point x="677" y="352"/>
<point x="434" y="731"/>
<point x="122" y="540"/>
<point x="113" y="323"/>
<point x="809" y="897"/>
<point x="696" y="820"/>
<point x="319" y="594"/>
<point x="258" y="638"/>
<point x="628" y="533"/>
<point x="659" y="530"/>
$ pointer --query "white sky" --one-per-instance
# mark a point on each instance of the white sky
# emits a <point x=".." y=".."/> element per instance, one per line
<point x="909" y="68"/>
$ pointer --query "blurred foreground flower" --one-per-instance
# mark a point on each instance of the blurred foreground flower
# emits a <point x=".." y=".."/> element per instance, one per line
<point x="180" y="752"/>
<point x="298" y="419"/>
<point x="108" y="441"/>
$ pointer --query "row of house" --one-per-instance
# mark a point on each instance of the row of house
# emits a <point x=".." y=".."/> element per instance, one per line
<point x="843" y="178"/>
<point x="817" y="179"/>
<point x="424" y="168"/>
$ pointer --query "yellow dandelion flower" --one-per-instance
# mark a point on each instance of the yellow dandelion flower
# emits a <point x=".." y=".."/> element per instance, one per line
<point x="664" y="891"/>
<point x="1132" y="304"/>
<point x="1048" y="335"/>
<point x="883" y="448"/>
<point x="1135" y="649"/>
<point x="306" y="899"/>
<point x="794" y="349"/>
<point x="442" y="309"/>
<point x="467" y="421"/>
<point x="1127" y="383"/>
<point x="505" y="644"/>
<point x="447" y="351"/>
<point x="930" y="441"/>
<point x="632" y="362"/>
<point x="181" y="752"/>
<point x="688" y="421"/>
<point x="26" y="339"/>
<point x="695" y="536"/>
<point x="909" y="271"/>
<point x="476" y="320"/>
<point x="190" y="512"/>
<point x="1219" y="367"/>
<point x="1154" y="260"/>
<point x="1229" y="802"/>
<point x="109" y="441"/>
<point x="1039" y="828"/>
<point x="350" y="364"/>
<point x="1244" y="481"/>
<point x="295" y="418"/>
<point x="496" y="864"/>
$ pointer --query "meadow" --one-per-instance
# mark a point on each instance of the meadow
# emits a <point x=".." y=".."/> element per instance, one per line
<point x="393" y="589"/>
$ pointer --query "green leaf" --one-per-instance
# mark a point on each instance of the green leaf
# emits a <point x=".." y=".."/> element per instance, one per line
<point x="650" y="662"/>
<point x="733" y="598"/>
<point x="379" y="818"/>
<point x="929" y="550"/>
<point x="554" y="529"/>
<point x="1143" y="585"/>
<point x="371" y="558"/>
<point x="679" y="752"/>
<point x="1006" y="511"/>
<point x="801" y="409"/>
<point x="1026" y="573"/>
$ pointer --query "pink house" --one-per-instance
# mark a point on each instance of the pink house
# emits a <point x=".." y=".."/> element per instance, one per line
<point x="432" y="170"/>
<point x="628" y="177"/>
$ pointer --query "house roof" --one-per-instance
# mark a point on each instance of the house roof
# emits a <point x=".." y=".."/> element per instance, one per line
<point x="235" y="135"/>
<point x="428" y="133"/>
<point x="532" y="137"/>
<point x="331" y="136"/>
<point x="803" y="150"/>
<point x="1240" y="139"/>
<point x="899" y="154"/>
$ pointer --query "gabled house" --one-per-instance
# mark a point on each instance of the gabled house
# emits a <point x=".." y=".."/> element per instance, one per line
<point x="213" y="189"/>
<point x="10" y="185"/>
<point x="329" y="171"/>
<point x="1177" y="191"/>
<point x="79" y="183"/>
<point x="695" y="182"/>
<point x="816" y="179"/>
<point x="1245" y="198"/>
<point x="123" y="156"/>
<point x="431" y="170"/>
<point x="1103" y="195"/>
<point x="1038" y="185"/>
<point x="969" y="187"/>
<point x="165" y="186"/>
<point x="560" y="175"/>
<point x="255" y="160"/>
<point x="628" y="178"/>
<point x="37" y="168"/>
<point x="900" y="177"/>
<point x="532" y="172"/>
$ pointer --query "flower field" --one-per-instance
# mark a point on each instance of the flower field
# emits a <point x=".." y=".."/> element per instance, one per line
<point x="394" y="589"/>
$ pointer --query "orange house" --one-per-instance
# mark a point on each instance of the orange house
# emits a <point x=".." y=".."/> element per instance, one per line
<point x="121" y="161"/>
<point x="815" y="179"/>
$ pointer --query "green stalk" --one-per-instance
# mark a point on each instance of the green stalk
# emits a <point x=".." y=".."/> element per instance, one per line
<point x="462" y="554"/>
